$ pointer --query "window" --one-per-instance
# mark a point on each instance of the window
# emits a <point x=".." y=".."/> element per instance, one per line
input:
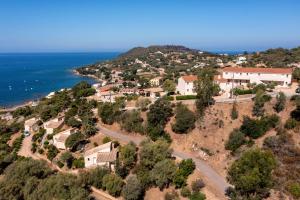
<point x="240" y="73"/>
<point x="88" y="159"/>
<point x="247" y="73"/>
<point x="287" y="75"/>
<point x="226" y="72"/>
<point x="258" y="74"/>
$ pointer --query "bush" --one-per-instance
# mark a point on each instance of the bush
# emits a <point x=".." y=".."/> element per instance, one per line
<point x="16" y="146"/>
<point x="236" y="139"/>
<point x="159" y="113"/>
<point x="295" y="97"/>
<point x="143" y="103"/>
<point x="184" y="119"/>
<point x="185" y="192"/>
<point x="73" y="140"/>
<point x="67" y="158"/>
<point x="113" y="184"/>
<point x="251" y="174"/>
<point x="295" y="114"/>
<point x="132" y="190"/>
<point x="106" y="139"/>
<point x="197" y="185"/>
<point x="169" y="98"/>
<point x="186" y="167"/>
<point x="294" y="189"/>
<point x="78" y="163"/>
<point x="290" y="123"/>
<point x="95" y="176"/>
<point x="237" y="91"/>
<point x="52" y="152"/>
<point x="172" y="195"/>
<point x="186" y="97"/>
<point x="163" y="173"/>
<point x="197" y="196"/>
<point x="280" y="102"/>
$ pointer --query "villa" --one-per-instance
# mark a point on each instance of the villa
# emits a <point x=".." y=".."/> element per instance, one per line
<point x="53" y="124"/>
<point x="155" y="81"/>
<point x="60" y="138"/>
<point x="232" y="77"/>
<point x="103" y="155"/>
<point x="30" y="125"/>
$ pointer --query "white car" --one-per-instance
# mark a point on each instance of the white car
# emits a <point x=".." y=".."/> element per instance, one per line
<point x="26" y="133"/>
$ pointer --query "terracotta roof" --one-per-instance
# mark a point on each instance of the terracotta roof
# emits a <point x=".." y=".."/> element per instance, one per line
<point x="107" y="156"/>
<point x="220" y="79"/>
<point x="189" y="78"/>
<point x="259" y="70"/>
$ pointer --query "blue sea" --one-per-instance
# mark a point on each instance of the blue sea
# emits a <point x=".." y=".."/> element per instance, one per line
<point x="29" y="76"/>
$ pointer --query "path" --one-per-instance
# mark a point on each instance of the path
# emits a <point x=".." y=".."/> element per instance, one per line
<point x="216" y="179"/>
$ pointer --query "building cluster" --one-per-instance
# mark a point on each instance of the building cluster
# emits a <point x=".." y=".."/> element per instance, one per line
<point x="240" y="77"/>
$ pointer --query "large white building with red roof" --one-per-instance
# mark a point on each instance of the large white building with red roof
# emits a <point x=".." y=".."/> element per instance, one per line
<point x="232" y="77"/>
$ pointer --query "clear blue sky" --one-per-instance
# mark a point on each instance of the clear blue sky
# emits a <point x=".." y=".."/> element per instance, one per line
<point x="117" y="25"/>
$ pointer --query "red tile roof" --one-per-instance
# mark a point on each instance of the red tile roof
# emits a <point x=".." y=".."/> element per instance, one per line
<point x="190" y="78"/>
<point x="220" y="79"/>
<point x="258" y="70"/>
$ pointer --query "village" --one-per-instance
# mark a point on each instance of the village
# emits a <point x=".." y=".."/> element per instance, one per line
<point x="91" y="131"/>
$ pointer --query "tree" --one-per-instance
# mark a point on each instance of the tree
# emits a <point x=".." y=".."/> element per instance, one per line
<point x="163" y="173"/>
<point x="236" y="139"/>
<point x="132" y="121"/>
<point x="83" y="89"/>
<point x="67" y="158"/>
<point x="132" y="190"/>
<point x="108" y="111"/>
<point x="74" y="139"/>
<point x="296" y="74"/>
<point x="154" y="152"/>
<point x="169" y="86"/>
<point x="184" y="119"/>
<point x="197" y="196"/>
<point x="143" y="103"/>
<point x="251" y="173"/>
<point x="259" y="101"/>
<point x="205" y="88"/>
<point x="128" y="155"/>
<point x="52" y="152"/>
<point x="73" y="122"/>
<point x="280" y="102"/>
<point x="159" y="112"/>
<point x="234" y="113"/>
<point x="113" y="184"/>
<point x="94" y="177"/>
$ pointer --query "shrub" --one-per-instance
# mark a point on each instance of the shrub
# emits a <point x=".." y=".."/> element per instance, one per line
<point x="290" y="123"/>
<point x="132" y="190"/>
<point x="67" y="158"/>
<point x="186" y="97"/>
<point x="251" y="174"/>
<point x="280" y="102"/>
<point x="18" y="143"/>
<point x="237" y="91"/>
<point x="143" y="103"/>
<point x="74" y="139"/>
<point x="163" y="173"/>
<point x="159" y="113"/>
<point x="184" y="119"/>
<point x="52" y="152"/>
<point x="295" y="114"/>
<point x="78" y="163"/>
<point x="95" y="176"/>
<point x="169" y="98"/>
<point x="185" y="192"/>
<point x="197" y="185"/>
<point x="106" y="139"/>
<point x="295" y="97"/>
<point x="60" y="164"/>
<point x="294" y="189"/>
<point x="186" y="167"/>
<point x="197" y="196"/>
<point x="113" y="184"/>
<point x="172" y="195"/>
<point x="236" y="139"/>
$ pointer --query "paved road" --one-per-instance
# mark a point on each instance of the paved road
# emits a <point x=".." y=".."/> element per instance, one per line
<point x="217" y="180"/>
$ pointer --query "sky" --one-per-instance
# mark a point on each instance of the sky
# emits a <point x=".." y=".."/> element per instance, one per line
<point x="118" y="25"/>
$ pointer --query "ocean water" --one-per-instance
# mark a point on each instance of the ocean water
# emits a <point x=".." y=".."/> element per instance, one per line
<point x="29" y="76"/>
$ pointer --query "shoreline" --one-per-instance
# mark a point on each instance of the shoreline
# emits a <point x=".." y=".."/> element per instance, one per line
<point x="30" y="102"/>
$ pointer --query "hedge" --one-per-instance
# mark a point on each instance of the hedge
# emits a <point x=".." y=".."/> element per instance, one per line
<point x="186" y="97"/>
<point x="238" y="91"/>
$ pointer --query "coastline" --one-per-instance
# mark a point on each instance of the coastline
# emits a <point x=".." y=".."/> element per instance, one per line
<point x="30" y="102"/>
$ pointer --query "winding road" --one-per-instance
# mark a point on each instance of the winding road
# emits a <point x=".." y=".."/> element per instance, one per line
<point x="217" y="180"/>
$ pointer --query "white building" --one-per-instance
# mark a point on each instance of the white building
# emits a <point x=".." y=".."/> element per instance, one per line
<point x="232" y="77"/>
<point x="155" y="81"/>
<point x="30" y="125"/>
<point x="53" y="124"/>
<point x="103" y="155"/>
<point x="241" y="76"/>
<point x="59" y="139"/>
<point x="185" y="85"/>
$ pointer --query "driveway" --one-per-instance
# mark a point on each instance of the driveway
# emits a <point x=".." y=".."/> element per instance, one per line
<point x="217" y="180"/>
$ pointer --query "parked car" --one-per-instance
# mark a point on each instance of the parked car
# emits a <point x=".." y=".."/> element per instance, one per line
<point x="26" y="133"/>
<point x="298" y="90"/>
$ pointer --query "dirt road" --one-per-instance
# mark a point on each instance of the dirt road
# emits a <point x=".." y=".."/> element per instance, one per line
<point x="216" y="179"/>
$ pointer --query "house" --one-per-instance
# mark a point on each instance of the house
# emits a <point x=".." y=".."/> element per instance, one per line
<point x="185" y="85"/>
<point x="154" y="92"/>
<point x="30" y="125"/>
<point x="155" y="81"/>
<point x="103" y="155"/>
<point x="241" y="60"/>
<point x="53" y="124"/>
<point x="6" y="116"/>
<point x="241" y="76"/>
<point x="59" y="139"/>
